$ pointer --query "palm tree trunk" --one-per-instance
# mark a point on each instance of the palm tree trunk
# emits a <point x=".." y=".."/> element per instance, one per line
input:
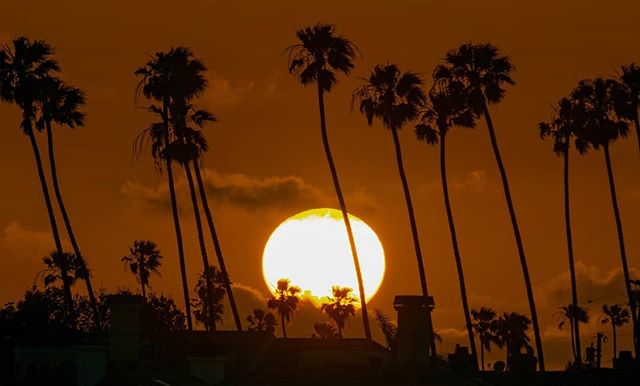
<point x="636" y="122"/>
<point x="203" y="247"/>
<point x="516" y="233"/>
<point x="144" y="292"/>
<point x="577" y="349"/>
<point x="52" y="219"/>
<point x="176" y="222"/>
<point x="482" y="354"/>
<point x="573" y="340"/>
<point x="216" y="246"/>
<point x="284" y="329"/>
<point x="456" y="250"/>
<point x="67" y="223"/>
<point x="345" y="213"/>
<point x="414" y="232"/>
<point x="615" y="340"/>
<point x="623" y="253"/>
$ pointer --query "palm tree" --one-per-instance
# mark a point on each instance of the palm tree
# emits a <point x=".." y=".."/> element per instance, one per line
<point x="618" y="316"/>
<point x="325" y="330"/>
<point x="389" y="329"/>
<point x="483" y="321"/>
<point x="208" y="307"/>
<point x="566" y="119"/>
<point x="484" y="71"/>
<point x="446" y="109"/>
<point x="340" y="307"/>
<point x="60" y="103"/>
<point x="318" y="58"/>
<point x="396" y="99"/>
<point x="573" y="315"/>
<point x="626" y="95"/>
<point x="262" y="320"/>
<point x="64" y="268"/>
<point x="143" y="260"/>
<point x="23" y="67"/>
<point x="510" y="330"/>
<point x="600" y="127"/>
<point x="171" y="77"/>
<point x="285" y="302"/>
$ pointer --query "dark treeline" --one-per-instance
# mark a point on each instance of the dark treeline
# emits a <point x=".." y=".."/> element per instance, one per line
<point x="466" y="84"/>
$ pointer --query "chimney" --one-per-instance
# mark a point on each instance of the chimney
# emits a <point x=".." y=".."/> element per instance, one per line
<point x="124" y="320"/>
<point x="413" y="336"/>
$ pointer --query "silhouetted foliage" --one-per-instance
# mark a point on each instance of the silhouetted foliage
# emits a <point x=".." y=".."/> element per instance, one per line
<point x="262" y="321"/>
<point x="483" y="326"/>
<point x="325" y="330"/>
<point x="388" y="328"/>
<point x="59" y="265"/>
<point x="572" y="315"/>
<point x="617" y="315"/>
<point x="340" y="307"/>
<point x="510" y="330"/>
<point x="285" y="302"/>
<point x="143" y="260"/>
<point x="202" y="303"/>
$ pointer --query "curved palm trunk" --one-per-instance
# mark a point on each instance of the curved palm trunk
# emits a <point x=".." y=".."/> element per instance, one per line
<point x="67" y="223"/>
<point x="575" y="325"/>
<point x="456" y="251"/>
<point x="414" y="233"/>
<point x="345" y="214"/>
<point x="573" y="340"/>
<point x="216" y="246"/>
<point x="615" y="340"/>
<point x="66" y="283"/>
<point x="284" y="328"/>
<point x="203" y="248"/>
<point x="516" y="233"/>
<point x="176" y="222"/>
<point x="623" y="253"/>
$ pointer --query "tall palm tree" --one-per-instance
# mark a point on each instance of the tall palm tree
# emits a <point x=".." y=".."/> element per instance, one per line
<point x="484" y="71"/>
<point x="143" y="260"/>
<point x="510" y="330"/>
<point x="566" y="119"/>
<point x="318" y="58"/>
<point x="60" y="103"/>
<point x="618" y="316"/>
<point x="396" y="98"/>
<point x="261" y="320"/>
<point x="446" y="109"/>
<point x="340" y="307"/>
<point x="23" y="66"/>
<point x="285" y="302"/>
<point x="208" y="307"/>
<point x="172" y="77"/>
<point x="626" y="94"/>
<point x="600" y="127"/>
<point x="573" y="315"/>
<point x="483" y="320"/>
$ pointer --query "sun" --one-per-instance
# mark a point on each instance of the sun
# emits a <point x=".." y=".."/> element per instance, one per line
<point x="312" y="250"/>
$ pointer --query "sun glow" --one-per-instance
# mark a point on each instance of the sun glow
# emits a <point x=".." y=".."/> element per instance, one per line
<point x="312" y="250"/>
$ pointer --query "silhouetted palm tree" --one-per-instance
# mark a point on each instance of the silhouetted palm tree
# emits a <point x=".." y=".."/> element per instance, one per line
<point x="60" y="103"/>
<point x="618" y="316"/>
<point x="167" y="78"/>
<point x="446" y="109"/>
<point x="318" y="58"/>
<point x="285" y="302"/>
<point x="626" y="94"/>
<point x="483" y="323"/>
<point x="566" y="119"/>
<point x="396" y="98"/>
<point x="23" y="66"/>
<point x="599" y="129"/>
<point x="389" y="329"/>
<point x="208" y="305"/>
<point x="484" y="72"/>
<point x="262" y="320"/>
<point x="64" y="268"/>
<point x="325" y="330"/>
<point x="510" y="330"/>
<point x="573" y="315"/>
<point x="143" y="259"/>
<point x="340" y="307"/>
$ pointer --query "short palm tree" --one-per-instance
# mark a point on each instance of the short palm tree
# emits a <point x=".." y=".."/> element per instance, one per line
<point x="573" y="315"/>
<point x="484" y="72"/>
<point x="446" y="108"/>
<point x="396" y="99"/>
<point x="567" y="118"/>
<point x="285" y="302"/>
<point x="208" y="307"/>
<point x="319" y="56"/>
<point x="389" y="329"/>
<point x="64" y="268"/>
<point x="325" y="330"/>
<point x="340" y="307"/>
<point x="600" y="127"/>
<point x="60" y="103"/>
<point x="626" y="94"/>
<point x="483" y="321"/>
<point x="262" y="320"/>
<point x="24" y="65"/>
<point x="617" y="315"/>
<point x="510" y="330"/>
<point x="143" y="260"/>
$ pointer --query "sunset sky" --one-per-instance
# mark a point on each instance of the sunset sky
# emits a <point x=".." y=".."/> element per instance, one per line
<point x="266" y="161"/>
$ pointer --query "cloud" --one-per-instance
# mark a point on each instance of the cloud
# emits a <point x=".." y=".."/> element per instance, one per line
<point x="224" y="92"/>
<point x="476" y="180"/>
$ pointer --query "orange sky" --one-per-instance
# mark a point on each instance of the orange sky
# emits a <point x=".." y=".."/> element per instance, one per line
<point x="266" y="161"/>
